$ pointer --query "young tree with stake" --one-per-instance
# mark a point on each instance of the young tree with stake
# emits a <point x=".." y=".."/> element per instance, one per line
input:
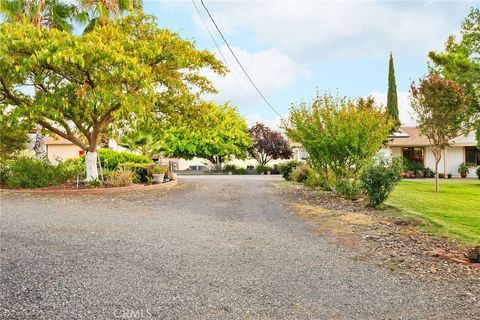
<point x="441" y="109"/>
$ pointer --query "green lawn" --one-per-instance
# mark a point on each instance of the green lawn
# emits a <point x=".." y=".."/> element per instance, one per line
<point x="454" y="212"/>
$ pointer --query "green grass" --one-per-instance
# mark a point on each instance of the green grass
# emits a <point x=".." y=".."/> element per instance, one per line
<point x="454" y="212"/>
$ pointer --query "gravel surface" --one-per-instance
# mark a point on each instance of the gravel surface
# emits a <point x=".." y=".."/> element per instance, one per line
<point x="212" y="248"/>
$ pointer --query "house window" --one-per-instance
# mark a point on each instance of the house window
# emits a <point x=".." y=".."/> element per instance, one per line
<point x="413" y="154"/>
<point x="472" y="155"/>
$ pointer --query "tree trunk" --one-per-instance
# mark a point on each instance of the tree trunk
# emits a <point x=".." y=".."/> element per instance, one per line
<point x="92" y="168"/>
<point x="438" y="155"/>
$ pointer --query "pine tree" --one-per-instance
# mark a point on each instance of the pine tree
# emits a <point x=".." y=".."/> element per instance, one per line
<point x="392" y="99"/>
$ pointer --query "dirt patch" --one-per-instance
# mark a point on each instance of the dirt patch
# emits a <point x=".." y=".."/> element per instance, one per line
<point x="391" y="242"/>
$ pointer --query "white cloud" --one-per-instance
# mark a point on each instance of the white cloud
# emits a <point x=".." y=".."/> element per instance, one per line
<point x="271" y="70"/>
<point x="316" y="29"/>
<point x="404" y="108"/>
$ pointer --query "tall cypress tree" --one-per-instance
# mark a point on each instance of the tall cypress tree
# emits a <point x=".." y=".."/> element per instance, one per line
<point x="392" y="100"/>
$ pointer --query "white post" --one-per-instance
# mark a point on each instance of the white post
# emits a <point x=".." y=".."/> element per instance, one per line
<point x="91" y="163"/>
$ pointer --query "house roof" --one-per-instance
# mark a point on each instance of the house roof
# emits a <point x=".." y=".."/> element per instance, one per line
<point x="409" y="136"/>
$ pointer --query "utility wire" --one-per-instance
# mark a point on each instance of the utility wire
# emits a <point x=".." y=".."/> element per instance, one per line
<point x="218" y="47"/>
<point x="238" y="61"/>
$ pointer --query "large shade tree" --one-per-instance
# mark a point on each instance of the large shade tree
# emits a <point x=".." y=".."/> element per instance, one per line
<point x="206" y="130"/>
<point x="460" y="61"/>
<point x="268" y="144"/>
<point x="441" y="109"/>
<point x="84" y="84"/>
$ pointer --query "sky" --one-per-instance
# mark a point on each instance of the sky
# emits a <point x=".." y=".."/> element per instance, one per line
<point x="292" y="49"/>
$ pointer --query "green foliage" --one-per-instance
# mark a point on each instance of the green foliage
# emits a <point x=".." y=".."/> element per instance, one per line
<point x="301" y="173"/>
<point x="460" y="61"/>
<point x="144" y="139"/>
<point x="240" y="171"/>
<point x="5" y="171"/>
<point x="463" y="168"/>
<point x="380" y="179"/>
<point x="348" y="188"/>
<point x="263" y="169"/>
<point x="111" y="159"/>
<point x="94" y="183"/>
<point x="286" y="168"/>
<point x="139" y="169"/>
<point x="40" y="13"/>
<point x="121" y="178"/>
<point x="13" y="137"/>
<point x="206" y="130"/>
<point x="428" y="173"/>
<point x="413" y="167"/>
<point x="340" y="135"/>
<point x="70" y="169"/>
<point x="478" y="172"/>
<point x="392" y="99"/>
<point x="159" y="169"/>
<point x="31" y="173"/>
<point x="441" y="110"/>
<point x="93" y="81"/>
<point x="229" y="168"/>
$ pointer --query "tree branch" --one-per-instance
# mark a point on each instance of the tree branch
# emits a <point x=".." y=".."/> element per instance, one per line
<point x="70" y="137"/>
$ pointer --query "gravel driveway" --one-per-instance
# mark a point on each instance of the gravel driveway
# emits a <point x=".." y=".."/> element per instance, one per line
<point x="212" y="248"/>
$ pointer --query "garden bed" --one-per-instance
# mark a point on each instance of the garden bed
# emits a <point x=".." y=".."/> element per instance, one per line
<point x="72" y="189"/>
<point x="397" y="243"/>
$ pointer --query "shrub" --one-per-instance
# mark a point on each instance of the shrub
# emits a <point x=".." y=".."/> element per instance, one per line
<point x="379" y="180"/>
<point x="463" y="169"/>
<point x="159" y="169"/>
<point x="287" y="167"/>
<point x="348" y="188"/>
<point x="121" y="178"/>
<point x="240" y="171"/>
<point x="31" y="173"/>
<point x="428" y="173"/>
<point x="5" y="171"/>
<point x="478" y="172"/>
<point x="70" y="169"/>
<point x="301" y="173"/>
<point x="474" y="254"/>
<point x="139" y="169"/>
<point x="263" y="169"/>
<point x="441" y="175"/>
<point x="110" y="159"/>
<point x="229" y="168"/>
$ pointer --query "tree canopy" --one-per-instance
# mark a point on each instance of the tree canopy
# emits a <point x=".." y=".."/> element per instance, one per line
<point x="85" y="83"/>
<point x="209" y="131"/>
<point x="441" y="109"/>
<point x="268" y="144"/>
<point x="460" y="61"/>
<point x="340" y="135"/>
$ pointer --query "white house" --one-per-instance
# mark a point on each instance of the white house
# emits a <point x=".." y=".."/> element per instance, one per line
<point x="409" y="143"/>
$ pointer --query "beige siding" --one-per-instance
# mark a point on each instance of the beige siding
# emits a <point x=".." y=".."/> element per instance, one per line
<point x="61" y="152"/>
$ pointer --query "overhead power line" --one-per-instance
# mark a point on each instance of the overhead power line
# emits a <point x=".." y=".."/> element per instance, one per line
<point x="238" y="61"/>
<point x="218" y="47"/>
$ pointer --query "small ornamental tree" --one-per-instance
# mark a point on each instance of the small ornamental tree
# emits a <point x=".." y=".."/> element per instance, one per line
<point x="206" y="130"/>
<point x="340" y="135"/>
<point x="85" y="84"/>
<point x="441" y="109"/>
<point x="268" y="144"/>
